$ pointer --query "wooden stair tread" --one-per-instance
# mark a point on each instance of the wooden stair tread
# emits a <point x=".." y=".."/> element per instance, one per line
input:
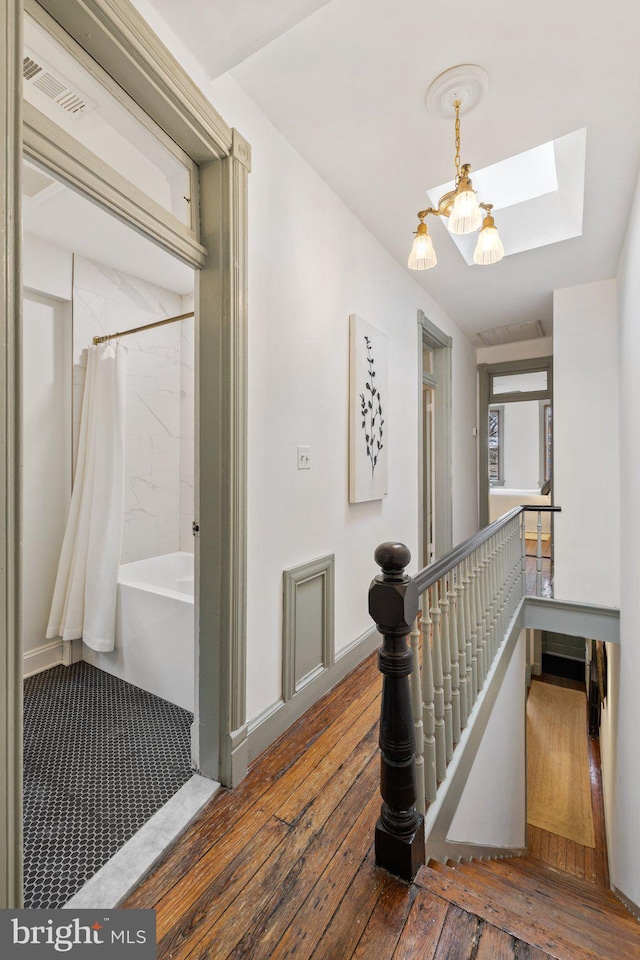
<point x="566" y="917"/>
<point x="539" y="876"/>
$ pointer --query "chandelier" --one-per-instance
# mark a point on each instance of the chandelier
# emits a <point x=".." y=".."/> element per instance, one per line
<point x="461" y="208"/>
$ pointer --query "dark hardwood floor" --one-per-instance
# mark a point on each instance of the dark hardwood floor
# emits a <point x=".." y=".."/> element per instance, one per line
<point x="282" y="866"/>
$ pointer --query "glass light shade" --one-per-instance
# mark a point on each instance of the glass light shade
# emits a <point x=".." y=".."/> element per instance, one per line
<point x="466" y="215"/>
<point x="422" y="256"/>
<point x="489" y="248"/>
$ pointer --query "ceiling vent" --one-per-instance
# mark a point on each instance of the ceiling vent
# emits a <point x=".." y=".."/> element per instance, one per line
<point x="512" y="333"/>
<point x="51" y="84"/>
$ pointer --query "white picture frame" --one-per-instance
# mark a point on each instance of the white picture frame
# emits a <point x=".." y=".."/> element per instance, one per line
<point x="368" y="403"/>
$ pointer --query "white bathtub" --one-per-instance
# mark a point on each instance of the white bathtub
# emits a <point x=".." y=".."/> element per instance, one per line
<point x="154" y="628"/>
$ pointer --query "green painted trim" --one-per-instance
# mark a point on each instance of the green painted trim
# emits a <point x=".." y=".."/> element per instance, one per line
<point x="121" y="41"/>
<point x="278" y="717"/>
<point x="10" y="455"/>
<point x="487" y="399"/>
<point x="323" y="569"/>
<point x="575" y="619"/>
<point x="442" y="345"/>
<point x="221" y="484"/>
<point x="48" y="144"/>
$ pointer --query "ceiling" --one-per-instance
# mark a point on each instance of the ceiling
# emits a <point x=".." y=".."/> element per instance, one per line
<point x="222" y="33"/>
<point x="347" y="87"/>
<point x="62" y="216"/>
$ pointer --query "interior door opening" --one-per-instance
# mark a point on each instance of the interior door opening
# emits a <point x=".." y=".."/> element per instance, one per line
<point x="107" y="732"/>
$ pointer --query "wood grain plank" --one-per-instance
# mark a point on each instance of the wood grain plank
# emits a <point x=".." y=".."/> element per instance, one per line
<point x="459" y="936"/>
<point x="287" y="762"/>
<point x="312" y="892"/>
<point x="423" y="928"/>
<point x="188" y="889"/>
<point x="269" y="894"/>
<point x="386" y="922"/>
<point x="572" y="930"/>
<point x="347" y="925"/>
<point x="495" y="944"/>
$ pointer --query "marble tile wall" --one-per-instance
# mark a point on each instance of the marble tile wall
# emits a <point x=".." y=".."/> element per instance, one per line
<point x="156" y="472"/>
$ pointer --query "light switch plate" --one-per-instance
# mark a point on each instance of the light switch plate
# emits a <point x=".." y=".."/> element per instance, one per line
<point x="304" y="458"/>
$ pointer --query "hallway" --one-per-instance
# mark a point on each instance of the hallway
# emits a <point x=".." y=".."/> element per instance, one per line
<point x="283" y="867"/>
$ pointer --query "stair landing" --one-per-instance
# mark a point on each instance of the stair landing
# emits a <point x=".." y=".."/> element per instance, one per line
<point x="563" y="916"/>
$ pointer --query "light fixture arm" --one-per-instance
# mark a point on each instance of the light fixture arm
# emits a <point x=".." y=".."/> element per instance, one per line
<point x="462" y="209"/>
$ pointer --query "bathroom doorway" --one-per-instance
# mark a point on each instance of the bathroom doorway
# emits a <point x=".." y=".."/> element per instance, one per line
<point x="107" y="733"/>
<point x="205" y="227"/>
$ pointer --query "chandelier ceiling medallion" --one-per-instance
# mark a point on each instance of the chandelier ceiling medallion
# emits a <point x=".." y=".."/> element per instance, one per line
<point x="455" y="91"/>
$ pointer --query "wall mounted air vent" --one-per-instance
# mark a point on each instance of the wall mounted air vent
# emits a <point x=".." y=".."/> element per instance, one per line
<point x="39" y="76"/>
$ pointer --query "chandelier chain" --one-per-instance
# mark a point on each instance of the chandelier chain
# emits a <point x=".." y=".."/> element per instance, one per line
<point x="457" y="157"/>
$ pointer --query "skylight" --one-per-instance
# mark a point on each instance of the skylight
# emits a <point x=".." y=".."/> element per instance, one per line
<point x="537" y="195"/>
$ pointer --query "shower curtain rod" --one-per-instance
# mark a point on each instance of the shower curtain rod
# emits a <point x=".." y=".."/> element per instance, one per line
<point x="147" y="326"/>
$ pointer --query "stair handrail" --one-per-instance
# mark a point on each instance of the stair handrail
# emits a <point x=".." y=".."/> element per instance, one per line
<point x="434" y="571"/>
<point x="461" y="606"/>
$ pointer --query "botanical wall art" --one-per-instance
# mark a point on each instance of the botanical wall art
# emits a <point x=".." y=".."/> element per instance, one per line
<point x="368" y="409"/>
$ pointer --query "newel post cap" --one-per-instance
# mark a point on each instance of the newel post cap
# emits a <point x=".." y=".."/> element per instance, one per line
<point x="393" y="596"/>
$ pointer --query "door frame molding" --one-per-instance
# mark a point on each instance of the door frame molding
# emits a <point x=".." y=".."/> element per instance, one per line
<point x="487" y="398"/>
<point x="442" y="344"/>
<point x="122" y="43"/>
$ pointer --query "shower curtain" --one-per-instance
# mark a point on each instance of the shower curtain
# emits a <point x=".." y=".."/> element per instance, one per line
<point x="84" y="600"/>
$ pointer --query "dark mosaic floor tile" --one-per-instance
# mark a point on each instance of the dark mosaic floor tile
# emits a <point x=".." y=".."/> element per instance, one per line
<point x="100" y="758"/>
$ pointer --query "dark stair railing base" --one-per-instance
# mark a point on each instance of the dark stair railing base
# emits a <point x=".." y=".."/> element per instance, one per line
<point x="393" y="604"/>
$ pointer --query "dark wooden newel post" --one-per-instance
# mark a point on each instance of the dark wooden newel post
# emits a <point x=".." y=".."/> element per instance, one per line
<point x="393" y="604"/>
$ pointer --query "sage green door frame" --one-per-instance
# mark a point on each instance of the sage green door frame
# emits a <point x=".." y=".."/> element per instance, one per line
<point x="430" y="335"/>
<point x="487" y="398"/>
<point x="120" y="41"/>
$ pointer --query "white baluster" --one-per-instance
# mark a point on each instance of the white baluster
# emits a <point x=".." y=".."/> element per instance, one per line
<point x="467" y="634"/>
<point x="462" y="646"/>
<point x="428" y="710"/>
<point x="454" y="653"/>
<point x="438" y="691"/>
<point x="523" y="548"/>
<point x="446" y="667"/>
<point x="473" y="621"/>
<point x="418" y="726"/>
<point x="539" y="557"/>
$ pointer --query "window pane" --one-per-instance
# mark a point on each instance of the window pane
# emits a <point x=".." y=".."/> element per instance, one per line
<point x="428" y="360"/>
<point x="520" y="383"/>
<point x="548" y="441"/>
<point x="62" y="89"/>
<point x="495" y="439"/>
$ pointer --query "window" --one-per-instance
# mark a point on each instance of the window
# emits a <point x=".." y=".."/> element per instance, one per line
<point x="546" y="441"/>
<point x="496" y="446"/>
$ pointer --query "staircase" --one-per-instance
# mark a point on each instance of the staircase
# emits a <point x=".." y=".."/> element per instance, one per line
<point x="564" y="917"/>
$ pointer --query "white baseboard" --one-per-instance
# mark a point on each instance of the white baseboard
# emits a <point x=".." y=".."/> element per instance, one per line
<point x="43" y="658"/>
<point x="278" y="717"/>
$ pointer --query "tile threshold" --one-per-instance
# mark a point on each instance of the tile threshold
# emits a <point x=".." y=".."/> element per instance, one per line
<point x="128" y="867"/>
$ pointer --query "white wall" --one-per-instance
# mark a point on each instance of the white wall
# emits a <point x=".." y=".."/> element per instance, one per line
<point x="521" y="350"/>
<point x="311" y="264"/>
<point x="586" y="450"/>
<point x="492" y="808"/>
<point x="624" y="837"/>
<point x="522" y="445"/>
<point x="46" y="465"/>
<point x="46" y="268"/>
<point x="105" y="301"/>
